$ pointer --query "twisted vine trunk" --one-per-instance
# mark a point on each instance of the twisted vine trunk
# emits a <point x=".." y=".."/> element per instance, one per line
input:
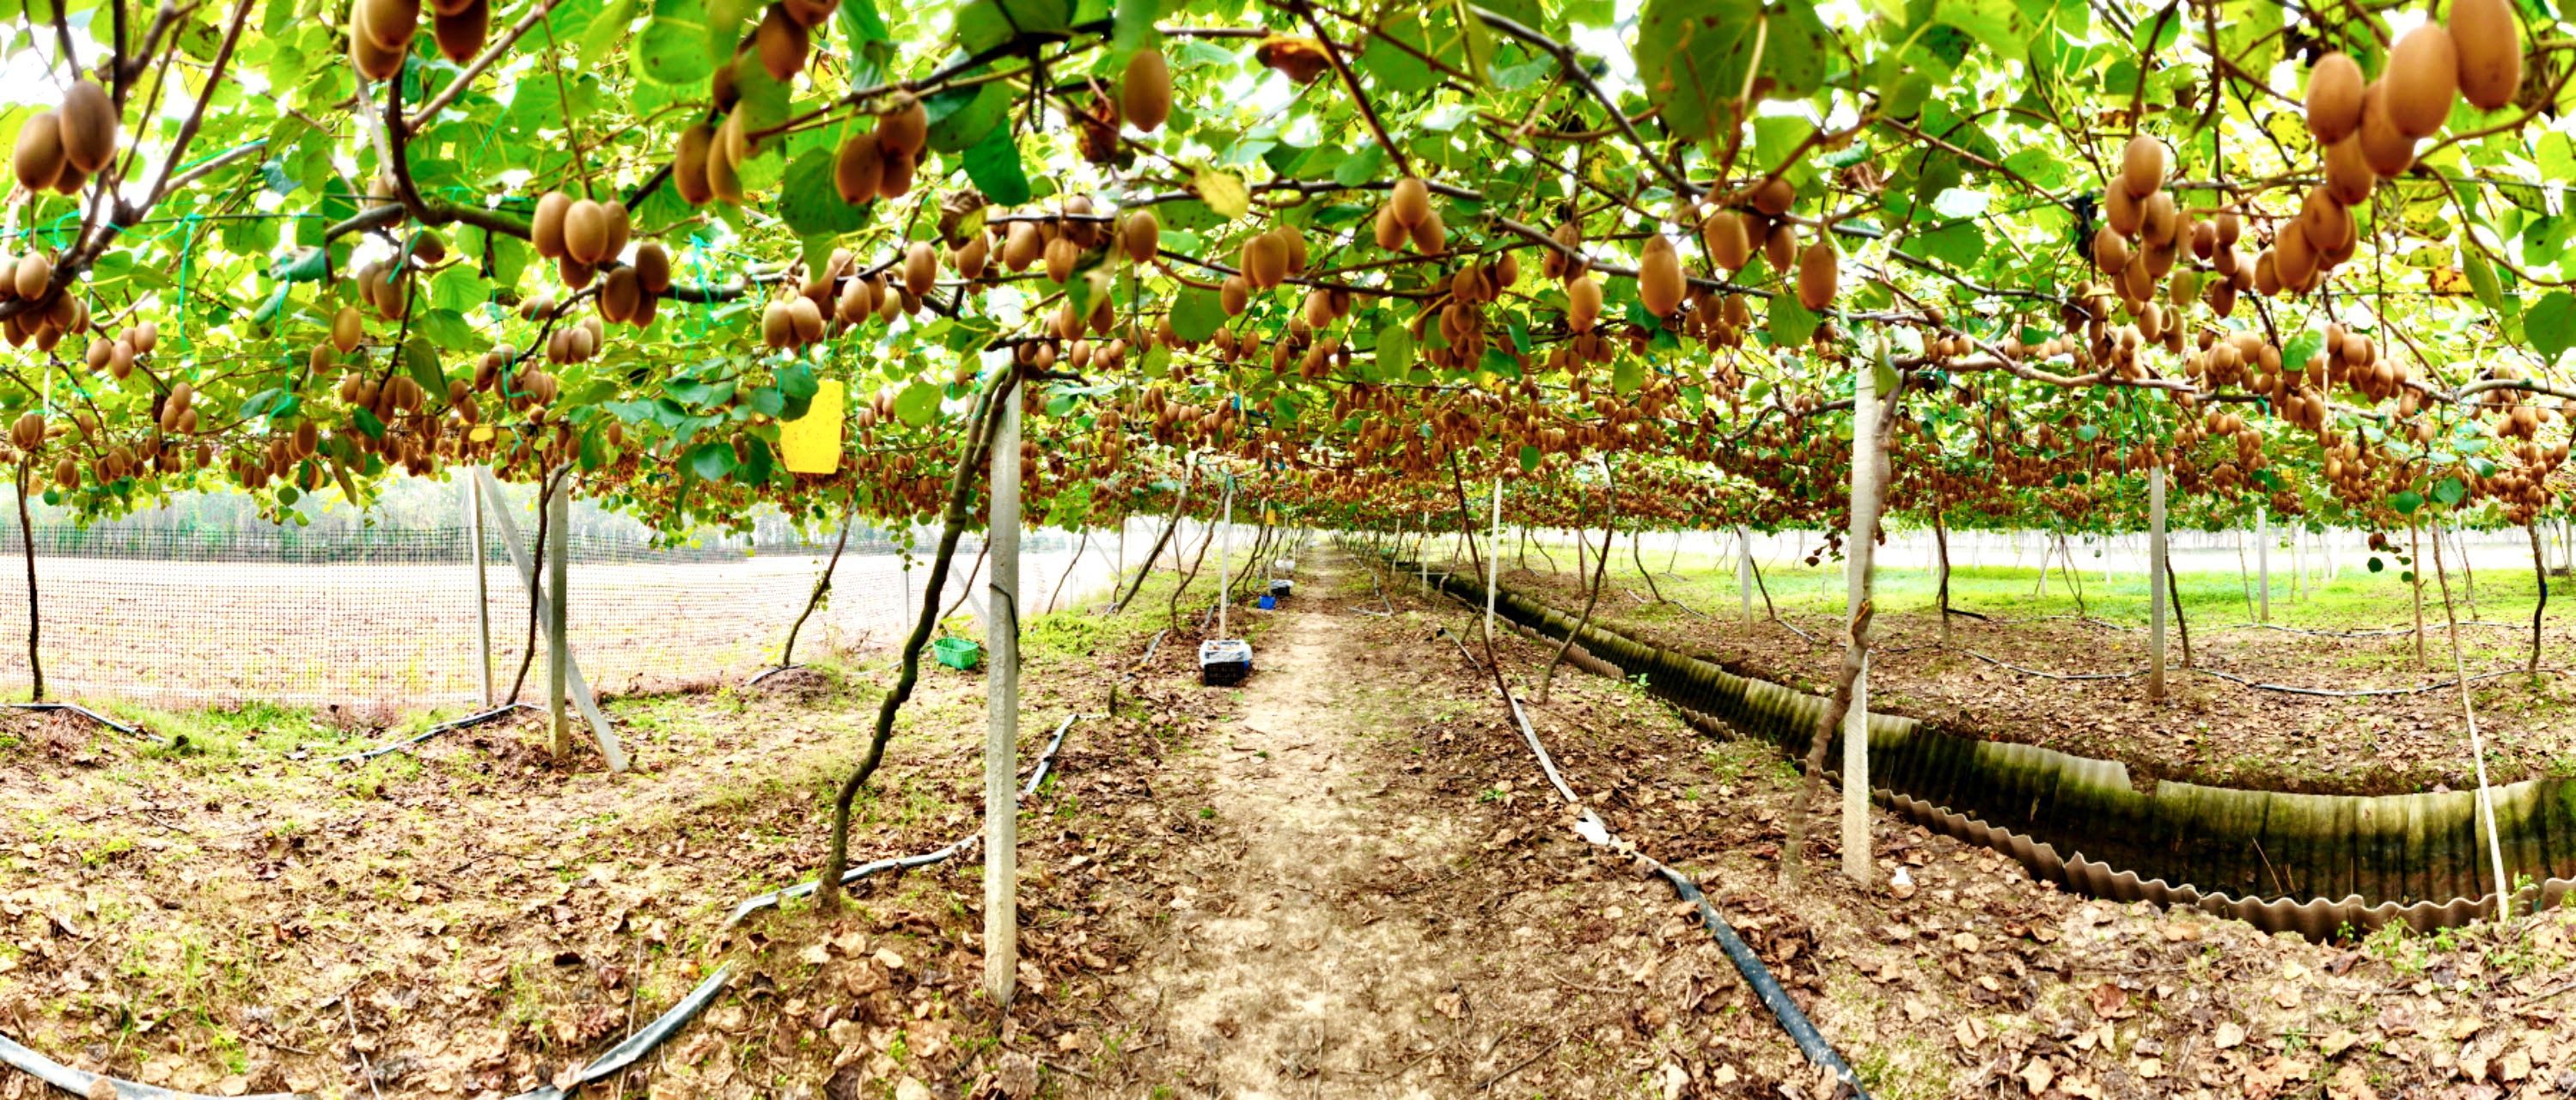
<point x="1609" y="535"/>
<point x="822" y="584"/>
<point x="2539" y="572"/>
<point x="547" y="486"/>
<point x="27" y="543"/>
<point x="1637" y="555"/>
<point x="961" y="487"/>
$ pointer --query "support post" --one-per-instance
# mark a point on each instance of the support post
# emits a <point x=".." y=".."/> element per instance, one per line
<point x="558" y="640"/>
<point x="1224" y="548"/>
<point x="579" y="689"/>
<point x="1858" y="554"/>
<point x="1002" y="716"/>
<point x="2156" y="566"/>
<point x="2263" y="561"/>
<point x="1494" y="563"/>
<point x="482" y="583"/>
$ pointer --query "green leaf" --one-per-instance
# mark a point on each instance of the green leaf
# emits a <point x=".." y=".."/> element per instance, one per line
<point x="2550" y="325"/>
<point x="2449" y="490"/>
<point x="918" y="404"/>
<point x="607" y="28"/>
<point x="710" y="461"/>
<point x="2406" y="502"/>
<point x="1791" y="324"/>
<point x="1395" y="352"/>
<point x="420" y="357"/>
<point x="672" y="48"/>
<point x="994" y="166"/>
<point x="1197" y="314"/>
<point x="1998" y="25"/>
<point x="1529" y="458"/>
<point x="810" y="203"/>
<point x="1360" y="167"/>
<point x="368" y="423"/>
<point x="1691" y="56"/>
<point x="960" y="118"/>
<point x="2482" y="276"/>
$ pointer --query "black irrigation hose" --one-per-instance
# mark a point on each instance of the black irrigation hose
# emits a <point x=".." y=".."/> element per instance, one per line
<point x="2367" y="693"/>
<point x="477" y="718"/>
<point x="1766" y="986"/>
<point x="2051" y="675"/>
<point x="767" y="673"/>
<point x="84" y="712"/>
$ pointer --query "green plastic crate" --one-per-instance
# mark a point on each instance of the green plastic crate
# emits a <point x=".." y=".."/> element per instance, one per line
<point x="959" y="653"/>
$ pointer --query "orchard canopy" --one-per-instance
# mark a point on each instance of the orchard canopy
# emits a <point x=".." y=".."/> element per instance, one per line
<point x="1360" y="256"/>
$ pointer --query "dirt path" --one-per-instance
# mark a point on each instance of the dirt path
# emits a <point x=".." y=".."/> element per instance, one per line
<point x="1295" y="973"/>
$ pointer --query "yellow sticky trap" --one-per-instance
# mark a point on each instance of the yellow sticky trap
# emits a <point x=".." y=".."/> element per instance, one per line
<point x="813" y="441"/>
<point x="482" y="433"/>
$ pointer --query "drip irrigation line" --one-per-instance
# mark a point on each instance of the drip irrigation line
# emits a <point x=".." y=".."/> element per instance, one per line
<point x="2367" y="693"/>
<point x="475" y="719"/>
<point x="1766" y="986"/>
<point x="2052" y="675"/>
<point x="85" y="712"/>
<point x="79" y="1082"/>
<point x="641" y="1043"/>
<point x="767" y="673"/>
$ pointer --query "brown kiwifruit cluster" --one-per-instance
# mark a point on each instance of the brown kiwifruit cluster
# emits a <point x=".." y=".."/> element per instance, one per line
<point x="380" y="32"/>
<point x="55" y="315"/>
<point x="881" y="162"/>
<point x="579" y="235"/>
<point x="1407" y="220"/>
<point x="1268" y="258"/>
<point x="59" y="150"/>
<point x="116" y="356"/>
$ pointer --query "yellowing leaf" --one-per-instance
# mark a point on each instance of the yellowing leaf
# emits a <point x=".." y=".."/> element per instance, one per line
<point x="1224" y="192"/>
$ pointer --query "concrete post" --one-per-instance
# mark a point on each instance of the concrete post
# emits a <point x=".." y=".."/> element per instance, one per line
<point x="1002" y="716"/>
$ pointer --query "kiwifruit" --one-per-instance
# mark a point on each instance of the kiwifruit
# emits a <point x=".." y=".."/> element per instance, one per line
<point x="1022" y="244"/>
<point x="2389" y="151"/>
<point x="2334" y="98"/>
<point x="1819" y="269"/>
<point x="2488" y="41"/>
<point x="2157" y="218"/>
<point x="621" y="230"/>
<point x="2322" y="220"/>
<point x="857" y="168"/>
<point x="145" y="335"/>
<point x="1774" y="196"/>
<point x="546" y="225"/>
<point x="2110" y="250"/>
<point x="2293" y="258"/>
<point x="2183" y="287"/>
<point x="1724" y="237"/>
<point x="782" y="42"/>
<point x="1410" y="201"/>
<point x="1146" y="95"/>
<point x="1265" y="260"/>
<point x="1391" y="234"/>
<point x="67" y="477"/>
<point x="2123" y="211"/>
<point x="35" y="275"/>
<point x="71" y="181"/>
<point x="724" y="169"/>
<point x="1060" y="255"/>
<point x="903" y="129"/>
<point x="972" y="256"/>
<point x="100" y="351"/>
<point x="573" y="273"/>
<point x="372" y="60"/>
<point x="348" y="329"/>
<point x="811" y="13"/>
<point x="777" y="326"/>
<point x="585" y="231"/>
<point x="2422" y="79"/>
<point x="2348" y="175"/>
<point x="88" y="123"/>
<point x="1660" y="284"/>
<point x="1582" y="303"/>
<point x="1296" y="242"/>
<point x="896" y="182"/>
<point x="689" y="164"/>
<point x="1142" y="236"/>
<point x="1430" y="235"/>
<point x="389" y="24"/>
<point x="2142" y="165"/>
<point x="920" y="268"/>
<point x="856" y="303"/>
<point x="2230" y="227"/>
<point x="38" y="157"/>
<point x="461" y="33"/>
<point x="653" y="267"/>
<point x="620" y="294"/>
<point x="1235" y="294"/>
<point x="1780" y="249"/>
